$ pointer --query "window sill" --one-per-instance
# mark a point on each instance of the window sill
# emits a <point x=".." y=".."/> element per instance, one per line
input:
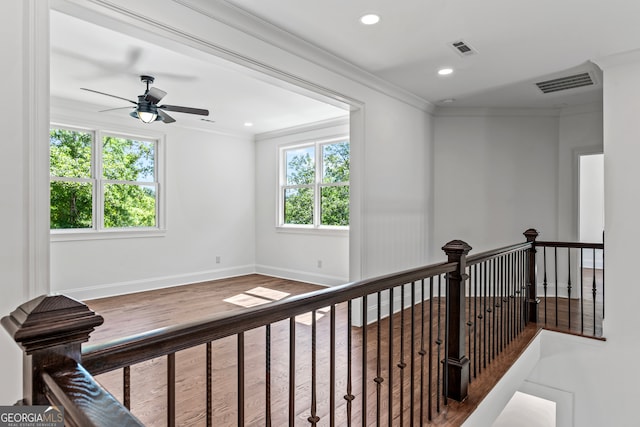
<point x="315" y="231"/>
<point x="75" y="235"/>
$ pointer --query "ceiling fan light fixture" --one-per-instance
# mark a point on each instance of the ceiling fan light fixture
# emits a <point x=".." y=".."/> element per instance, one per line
<point x="147" y="116"/>
<point x="146" y="112"/>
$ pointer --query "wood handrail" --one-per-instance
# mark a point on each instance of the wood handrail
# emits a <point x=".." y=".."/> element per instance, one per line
<point x="494" y="253"/>
<point x="577" y="245"/>
<point x="105" y="357"/>
<point x="85" y="402"/>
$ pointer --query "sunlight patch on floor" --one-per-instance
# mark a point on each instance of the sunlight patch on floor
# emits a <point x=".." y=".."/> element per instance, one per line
<point x="261" y="295"/>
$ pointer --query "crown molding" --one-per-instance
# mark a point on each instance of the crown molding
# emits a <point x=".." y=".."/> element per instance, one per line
<point x="242" y="20"/>
<point x="495" y="112"/>
<point x="618" y="59"/>
<point x="322" y="124"/>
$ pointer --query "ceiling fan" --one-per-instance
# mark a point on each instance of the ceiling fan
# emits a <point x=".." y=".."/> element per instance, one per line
<point x="147" y="108"/>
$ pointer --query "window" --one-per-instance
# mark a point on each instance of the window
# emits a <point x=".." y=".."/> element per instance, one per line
<point x="101" y="181"/>
<point x="314" y="185"/>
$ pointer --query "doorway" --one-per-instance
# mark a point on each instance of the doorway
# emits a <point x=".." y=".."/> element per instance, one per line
<point x="591" y="204"/>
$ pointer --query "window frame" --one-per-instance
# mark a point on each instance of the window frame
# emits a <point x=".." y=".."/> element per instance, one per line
<point x="98" y="182"/>
<point x="317" y="186"/>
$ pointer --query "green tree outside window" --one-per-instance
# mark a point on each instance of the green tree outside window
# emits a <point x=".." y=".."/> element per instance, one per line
<point x="126" y="186"/>
<point x="325" y="183"/>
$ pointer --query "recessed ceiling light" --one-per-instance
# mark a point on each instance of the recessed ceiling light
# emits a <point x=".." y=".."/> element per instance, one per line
<point x="447" y="101"/>
<point x="445" y="71"/>
<point x="370" y="19"/>
<point x="248" y="124"/>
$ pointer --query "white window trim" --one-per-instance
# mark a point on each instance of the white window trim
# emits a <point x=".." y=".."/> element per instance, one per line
<point x="316" y="227"/>
<point x="98" y="232"/>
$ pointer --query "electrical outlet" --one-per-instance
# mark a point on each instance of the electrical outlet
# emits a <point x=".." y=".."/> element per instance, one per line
<point x="319" y="263"/>
<point x="218" y="259"/>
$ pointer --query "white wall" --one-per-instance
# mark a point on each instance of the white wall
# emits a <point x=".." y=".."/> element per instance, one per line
<point x="602" y="376"/>
<point x="298" y="251"/>
<point x="24" y="250"/>
<point x="209" y="201"/>
<point x="391" y="139"/>
<point x="13" y="209"/>
<point x="580" y="133"/>
<point x="496" y="176"/>
<point x="397" y="187"/>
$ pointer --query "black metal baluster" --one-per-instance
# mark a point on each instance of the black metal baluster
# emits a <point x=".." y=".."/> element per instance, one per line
<point x="241" y="379"/>
<point x="267" y="375"/>
<point x="505" y="301"/>
<point x="402" y="364"/>
<point x="516" y="290"/>
<point x="439" y="344"/>
<point x="514" y="294"/>
<point x="378" y="379"/>
<point x="390" y="361"/>
<point x="470" y="319"/>
<point x="292" y="370"/>
<point x="520" y="291"/>
<point x="422" y="353"/>
<point x="510" y="296"/>
<point x="430" y="371"/>
<point x="349" y="396"/>
<point x="313" y="418"/>
<point x="476" y="326"/>
<point x="412" y="353"/>
<point x="209" y="384"/>
<point x="569" y="286"/>
<point x="594" y="290"/>
<point x="522" y="288"/>
<point x="475" y="316"/>
<point x="582" y="290"/>
<point x="126" y="386"/>
<point x="171" y="390"/>
<point x="594" y="263"/>
<point x="544" y="282"/>
<point x="485" y="335"/>
<point x="445" y="365"/>
<point x="501" y="294"/>
<point x="555" y="257"/>
<point x="332" y="368"/>
<point x="493" y="336"/>
<point x="365" y="308"/>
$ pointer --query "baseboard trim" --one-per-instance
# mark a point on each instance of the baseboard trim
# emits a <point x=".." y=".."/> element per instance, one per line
<point x="303" y="276"/>
<point x="132" y="286"/>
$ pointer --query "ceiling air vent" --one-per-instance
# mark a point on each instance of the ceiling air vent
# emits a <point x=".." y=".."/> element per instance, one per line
<point x="463" y="48"/>
<point x="564" y="83"/>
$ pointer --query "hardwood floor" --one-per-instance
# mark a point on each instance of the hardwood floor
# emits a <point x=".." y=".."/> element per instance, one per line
<point x="135" y="313"/>
<point x="582" y="314"/>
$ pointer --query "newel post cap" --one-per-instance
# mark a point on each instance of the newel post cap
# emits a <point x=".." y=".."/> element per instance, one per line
<point x="456" y="247"/>
<point x="531" y="234"/>
<point x="48" y="321"/>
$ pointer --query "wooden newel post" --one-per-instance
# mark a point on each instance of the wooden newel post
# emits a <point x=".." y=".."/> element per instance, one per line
<point x="457" y="362"/>
<point x="50" y="330"/>
<point x="532" y="298"/>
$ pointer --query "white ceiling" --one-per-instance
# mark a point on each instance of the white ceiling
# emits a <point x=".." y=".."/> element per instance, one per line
<point x="517" y="42"/>
<point x="90" y="56"/>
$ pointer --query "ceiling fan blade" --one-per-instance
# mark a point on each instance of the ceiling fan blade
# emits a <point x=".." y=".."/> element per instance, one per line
<point x="165" y="117"/>
<point x="188" y="110"/>
<point x="154" y="95"/>
<point x="108" y="94"/>
<point x="112" y="109"/>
